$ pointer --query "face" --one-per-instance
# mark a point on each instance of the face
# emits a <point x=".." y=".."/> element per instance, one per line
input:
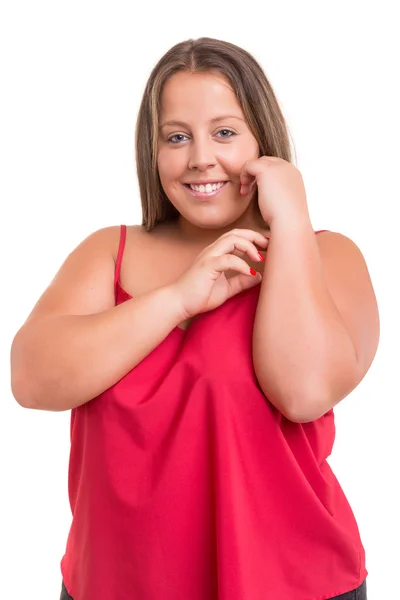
<point x="203" y="137"/>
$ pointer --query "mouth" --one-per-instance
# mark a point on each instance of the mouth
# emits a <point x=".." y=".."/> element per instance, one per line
<point x="205" y="195"/>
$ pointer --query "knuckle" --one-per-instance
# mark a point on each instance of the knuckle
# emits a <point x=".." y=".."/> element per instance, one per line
<point x="236" y="232"/>
<point x="233" y="238"/>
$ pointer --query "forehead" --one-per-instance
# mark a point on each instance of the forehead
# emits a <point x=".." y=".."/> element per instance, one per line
<point x="199" y="94"/>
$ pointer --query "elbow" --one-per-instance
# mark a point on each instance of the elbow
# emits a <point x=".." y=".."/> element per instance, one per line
<point x="304" y="414"/>
<point x="309" y="407"/>
<point x="19" y="391"/>
<point x="295" y="405"/>
<point x="320" y="399"/>
<point x="281" y="401"/>
<point x="19" y="387"/>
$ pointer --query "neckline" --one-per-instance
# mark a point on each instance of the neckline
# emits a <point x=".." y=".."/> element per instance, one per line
<point x="180" y="330"/>
<point x="128" y="296"/>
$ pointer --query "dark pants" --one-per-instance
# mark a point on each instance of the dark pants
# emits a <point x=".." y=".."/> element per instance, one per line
<point x="64" y="593"/>
<point x="359" y="593"/>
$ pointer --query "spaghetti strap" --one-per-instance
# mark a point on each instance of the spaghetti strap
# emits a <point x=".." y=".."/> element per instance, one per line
<point x="119" y="257"/>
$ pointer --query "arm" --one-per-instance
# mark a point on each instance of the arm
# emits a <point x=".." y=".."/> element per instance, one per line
<point x="316" y="329"/>
<point x="76" y="343"/>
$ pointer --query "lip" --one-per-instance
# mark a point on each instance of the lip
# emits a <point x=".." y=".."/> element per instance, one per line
<point x="204" y="195"/>
<point x="211" y="181"/>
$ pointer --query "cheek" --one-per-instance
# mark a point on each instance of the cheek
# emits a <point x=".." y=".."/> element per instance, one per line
<point x="237" y="154"/>
<point x="170" y="164"/>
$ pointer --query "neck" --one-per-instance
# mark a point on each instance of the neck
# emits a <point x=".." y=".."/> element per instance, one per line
<point x="204" y="236"/>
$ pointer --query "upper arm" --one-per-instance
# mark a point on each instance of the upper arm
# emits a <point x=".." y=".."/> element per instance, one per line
<point x="349" y="284"/>
<point x="84" y="284"/>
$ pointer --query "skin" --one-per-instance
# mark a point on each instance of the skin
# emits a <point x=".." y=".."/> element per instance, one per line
<point x="205" y="150"/>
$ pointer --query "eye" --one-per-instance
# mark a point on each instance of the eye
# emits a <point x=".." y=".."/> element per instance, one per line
<point x="229" y="131"/>
<point x="177" y="135"/>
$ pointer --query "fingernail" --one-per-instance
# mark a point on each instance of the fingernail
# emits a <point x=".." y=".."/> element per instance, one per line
<point x="261" y="256"/>
<point x="252" y="271"/>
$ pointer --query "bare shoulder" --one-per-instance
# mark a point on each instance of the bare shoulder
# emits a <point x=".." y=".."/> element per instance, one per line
<point x="139" y="240"/>
<point x="134" y="233"/>
<point x="104" y="242"/>
<point x="341" y="255"/>
<point x="333" y="241"/>
<point x="84" y="283"/>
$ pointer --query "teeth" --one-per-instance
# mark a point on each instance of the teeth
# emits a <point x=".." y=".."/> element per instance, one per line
<point x="207" y="188"/>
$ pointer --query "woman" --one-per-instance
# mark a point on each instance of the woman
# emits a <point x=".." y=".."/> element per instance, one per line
<point x="202" y="383"/>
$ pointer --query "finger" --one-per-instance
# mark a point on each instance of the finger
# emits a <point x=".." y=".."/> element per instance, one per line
<point x="248" y="179"/>
<point x="247" y="185"/>
<point x="249" y="234"/>
<point x="235" y="243"/>
<point x="229" y="262"/>
<point x="241" y="282"/>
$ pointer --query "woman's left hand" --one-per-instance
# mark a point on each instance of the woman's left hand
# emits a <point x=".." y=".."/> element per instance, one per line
<point x="281" y="191"/>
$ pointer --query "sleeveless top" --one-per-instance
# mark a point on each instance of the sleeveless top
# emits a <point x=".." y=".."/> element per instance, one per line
<point x="185" y="482"/>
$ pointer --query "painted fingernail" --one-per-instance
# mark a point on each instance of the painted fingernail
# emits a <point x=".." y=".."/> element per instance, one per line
<point x="252" y="271"/>
<point x="261" y="256"/>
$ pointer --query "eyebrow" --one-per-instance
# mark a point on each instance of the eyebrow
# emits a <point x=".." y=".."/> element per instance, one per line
<point x="212" y="121"/>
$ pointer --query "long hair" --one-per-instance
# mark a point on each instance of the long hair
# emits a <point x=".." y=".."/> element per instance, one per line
<point x="254" y="94"/>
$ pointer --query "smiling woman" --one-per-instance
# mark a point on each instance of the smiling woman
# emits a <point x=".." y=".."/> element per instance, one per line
<point x="210" y="146"/>
<point x="193" y="474"/>
<point x="207" y="107"/>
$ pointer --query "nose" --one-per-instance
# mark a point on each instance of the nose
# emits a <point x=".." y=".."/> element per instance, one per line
<point x="202" y="155"/>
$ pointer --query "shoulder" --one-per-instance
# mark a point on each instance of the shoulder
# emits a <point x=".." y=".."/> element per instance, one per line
<point x="111" y="236"/>
<point x="81" y="285"/>
<point x="342" y="257"/>
<point x="137" y="237"/>
<point x="338" y="246"/>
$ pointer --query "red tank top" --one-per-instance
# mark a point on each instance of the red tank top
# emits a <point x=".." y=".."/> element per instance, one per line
<point x="185" y="482"/>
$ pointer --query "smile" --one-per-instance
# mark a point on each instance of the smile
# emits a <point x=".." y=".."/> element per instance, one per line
<point x="206" y="192"/>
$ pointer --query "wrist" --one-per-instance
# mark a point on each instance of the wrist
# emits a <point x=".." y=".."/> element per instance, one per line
<point x="175" y="301"/>
<point x="291" y="224"/>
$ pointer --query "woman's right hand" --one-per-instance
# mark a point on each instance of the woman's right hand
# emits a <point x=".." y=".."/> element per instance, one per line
<point x="204" y="286"/>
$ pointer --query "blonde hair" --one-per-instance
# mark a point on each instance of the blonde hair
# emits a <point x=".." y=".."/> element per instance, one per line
<point x="254" y="94"/>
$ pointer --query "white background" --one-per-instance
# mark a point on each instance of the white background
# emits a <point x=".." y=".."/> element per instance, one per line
<point x="72" y="77"/>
